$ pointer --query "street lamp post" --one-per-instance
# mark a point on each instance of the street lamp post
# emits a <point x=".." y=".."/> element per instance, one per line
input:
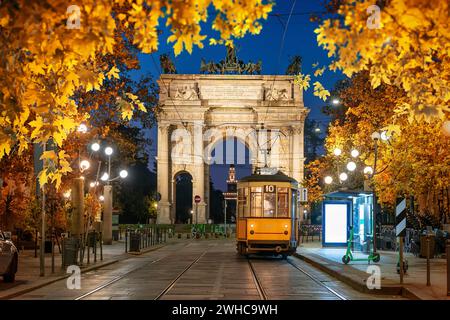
<point x="369" y="172"/>
<point x="108" y="193"/>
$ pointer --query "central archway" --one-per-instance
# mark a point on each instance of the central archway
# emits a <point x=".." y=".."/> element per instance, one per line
<point x="232" y="160"/>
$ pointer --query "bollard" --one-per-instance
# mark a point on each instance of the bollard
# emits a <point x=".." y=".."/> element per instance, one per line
<point x="126" y="241"/>
<point x="447" y="253"/>
<point x="95" y="246"/>
<point x="88" y="247"/>
<point x="63" y="243"/>
<point x="428" y="261"/>
<point x="101" y="246"/>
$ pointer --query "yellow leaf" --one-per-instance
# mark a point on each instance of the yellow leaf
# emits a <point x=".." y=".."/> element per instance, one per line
<point x="42" y="177"/>
<point x="36" y="68"/>
<point x="319" y="72"/>
<point x="178" y="47"/>
<point x="114" y="72"/>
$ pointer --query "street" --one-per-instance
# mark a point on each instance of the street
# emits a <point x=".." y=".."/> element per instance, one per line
<point x="203" y="270"/>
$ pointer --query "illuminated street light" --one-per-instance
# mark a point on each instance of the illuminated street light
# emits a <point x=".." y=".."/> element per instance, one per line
<point x="108" y="151"/>
<point x="343" y="176"/>
<point x="335" y="101"/>
<point x="354" y="153"/>
<point x="67" y="194"/>
<point x="123" y="174"/>
<point x="337" y="152"/>
<point x="105" y="177"/>
<point x="317" y="129"/>
<point x="95" y="147"/>
<point x="328" y="180"/>
<point x="93" y="184"/>
<point x="82" y="128"/>
<point x="446" y="128"/>
<point x="376" y="135"/>
<point x="384" y="136"/>
<point x="351" y="166"/>
<point x="84" y="165"/>
<point x="368" y="170"/>
<point x="101" y="198"/>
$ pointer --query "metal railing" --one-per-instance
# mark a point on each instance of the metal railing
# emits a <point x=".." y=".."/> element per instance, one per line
<point x="309" y="231"/>
<point x="146" y="236"/>
<point x="76" y="249"/>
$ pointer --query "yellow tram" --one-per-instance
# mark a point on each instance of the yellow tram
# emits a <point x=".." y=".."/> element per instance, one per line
<point x="267" y="219"/>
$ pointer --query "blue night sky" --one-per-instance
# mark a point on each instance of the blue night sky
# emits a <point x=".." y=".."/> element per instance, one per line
<point x="300" y="39"/>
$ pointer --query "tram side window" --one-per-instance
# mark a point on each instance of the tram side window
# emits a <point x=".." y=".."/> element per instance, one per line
<point x="283" y="202"/>
<point x="256" y="202"/>
<point x="242" y="201"/>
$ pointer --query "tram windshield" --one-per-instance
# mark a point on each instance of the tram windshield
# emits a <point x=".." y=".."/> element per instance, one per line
<point x="267" y="202"/>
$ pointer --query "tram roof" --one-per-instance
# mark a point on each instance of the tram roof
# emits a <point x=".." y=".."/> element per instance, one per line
<point x="277" y="177"/>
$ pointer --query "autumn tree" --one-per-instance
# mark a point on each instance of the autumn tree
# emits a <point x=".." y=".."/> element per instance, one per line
<point x="16" y="177"/>
<point x="403" y="43"/>
<point x="50" y="51"/>
<point x="414" y="161"/>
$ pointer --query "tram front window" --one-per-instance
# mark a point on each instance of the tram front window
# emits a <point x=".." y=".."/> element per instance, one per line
<point x="269" y="205"/>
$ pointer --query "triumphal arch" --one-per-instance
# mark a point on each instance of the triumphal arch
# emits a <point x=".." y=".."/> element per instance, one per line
<point x="265" y="112"/>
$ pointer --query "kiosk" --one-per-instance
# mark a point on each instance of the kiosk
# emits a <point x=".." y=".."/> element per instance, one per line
<point x="342" y="210"/>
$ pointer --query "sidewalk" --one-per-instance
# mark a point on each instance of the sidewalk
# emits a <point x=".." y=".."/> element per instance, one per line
<point x="28" y="278"/>
<point x="354" y="274"/>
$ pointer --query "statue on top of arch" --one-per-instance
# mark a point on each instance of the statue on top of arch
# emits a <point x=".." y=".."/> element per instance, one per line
<point x="167" y="65"/>
<point x="231" y="65"/>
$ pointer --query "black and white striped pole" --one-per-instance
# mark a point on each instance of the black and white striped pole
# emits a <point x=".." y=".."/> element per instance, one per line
<point x="400" y="230"/>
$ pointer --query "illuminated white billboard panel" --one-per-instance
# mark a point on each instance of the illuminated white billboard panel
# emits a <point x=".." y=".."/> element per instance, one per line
<point x="335" y="215"/>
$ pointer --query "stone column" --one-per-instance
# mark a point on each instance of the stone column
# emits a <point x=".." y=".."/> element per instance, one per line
<point x="107" y="214"/>
<point x="199" y="171"/>
<point x="163" y="214"/>
<point x="207" y="193"/>
<point x="298" y="160"/>
<point x="297" y="153"/>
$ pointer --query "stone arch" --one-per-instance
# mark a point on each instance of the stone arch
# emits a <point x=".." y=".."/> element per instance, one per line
<point x="237" y="103"/>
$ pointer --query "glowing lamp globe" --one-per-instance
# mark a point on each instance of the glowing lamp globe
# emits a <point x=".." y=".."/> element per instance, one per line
<point x="343" y="176"/>
<point x="328" y="180"/>
<point x="123" y="174"/>
<point x="368" y="170"/>
<point x="446" y="128"/>
<point x="337" y="152"/>
<point x="95" y="147"/>
<point x="84" y="165"/>
<point x="108" y="151"/>
<point x="351" y="166"/>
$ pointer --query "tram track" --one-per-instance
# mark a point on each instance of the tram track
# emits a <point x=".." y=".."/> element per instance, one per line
<point x="161" y="294"/>
<point x="107" y="284"/>
<point x="173" y="282"/>
<point x="334" y="292"/>
<point x="262" y="293"/>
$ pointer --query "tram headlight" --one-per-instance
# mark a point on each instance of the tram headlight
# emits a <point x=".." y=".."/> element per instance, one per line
<point x="252" y="225"/>
<point x="286" y="226"/>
